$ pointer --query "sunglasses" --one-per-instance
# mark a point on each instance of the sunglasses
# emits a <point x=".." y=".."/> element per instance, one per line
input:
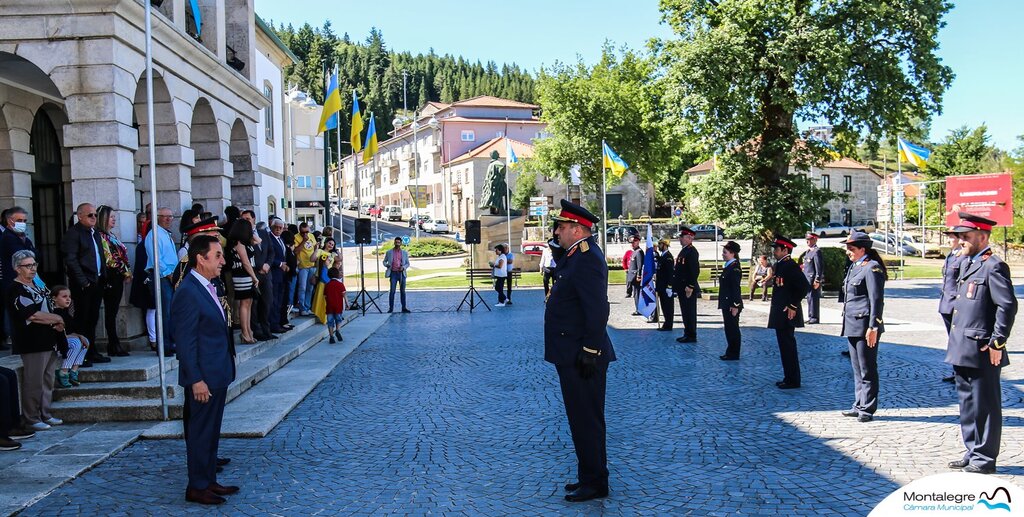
<point x="91" y="216"/>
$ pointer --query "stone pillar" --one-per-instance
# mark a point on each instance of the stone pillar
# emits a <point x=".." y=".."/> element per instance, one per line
<point x="173" y="175"/>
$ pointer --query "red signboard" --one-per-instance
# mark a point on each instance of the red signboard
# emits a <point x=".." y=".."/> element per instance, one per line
<point x="987" y="195"/>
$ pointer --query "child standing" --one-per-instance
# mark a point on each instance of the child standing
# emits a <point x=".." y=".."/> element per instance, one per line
<point x="73" y="347"/>
<point x="336" y="303"/>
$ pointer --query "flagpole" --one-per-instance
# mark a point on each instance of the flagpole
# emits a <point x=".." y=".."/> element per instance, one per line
<point x="508" y="195"/>
<point x="604" y="202"/>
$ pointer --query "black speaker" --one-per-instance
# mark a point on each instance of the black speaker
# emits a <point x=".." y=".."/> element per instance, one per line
<point x="472" y="231"/>
<point x="363" y="231"/>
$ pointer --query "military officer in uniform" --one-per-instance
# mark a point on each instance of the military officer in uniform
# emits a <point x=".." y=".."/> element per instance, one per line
<point x="663" y="263"/>
<point x="576" y="342"/>
<point x="983" y="313"/>
<point x="684" y="284"/>
<point x="863" y="302"/>
<point x="814" y="271"/>
<point x="730" y="299"/>
<point x="786" y="312"/>
<point x="950" y="274"/>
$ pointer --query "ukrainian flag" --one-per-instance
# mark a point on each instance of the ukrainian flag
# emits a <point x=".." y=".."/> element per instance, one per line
<point x="912" y="153"/>
<point x="332" y="105"/>
<point x="510" y="154"/>
<point x="612" y="161"/>
<point x="357" y="125"/>
<point x="371" y="140"/>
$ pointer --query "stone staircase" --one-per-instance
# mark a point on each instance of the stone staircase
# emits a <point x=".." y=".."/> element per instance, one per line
<point x="128" y="388"/>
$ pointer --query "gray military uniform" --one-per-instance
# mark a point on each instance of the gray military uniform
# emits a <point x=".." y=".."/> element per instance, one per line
<point x="864" y="302"/>
<point x="983" y="314"/>
<point x="814" y="271"/>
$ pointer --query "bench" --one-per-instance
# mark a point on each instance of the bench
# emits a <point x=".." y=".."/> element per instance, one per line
<point x="484" y="274"/>
<point x="716" y="271"/>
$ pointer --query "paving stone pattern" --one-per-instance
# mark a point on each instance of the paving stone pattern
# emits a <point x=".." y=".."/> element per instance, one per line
<point x="457" y="414"/>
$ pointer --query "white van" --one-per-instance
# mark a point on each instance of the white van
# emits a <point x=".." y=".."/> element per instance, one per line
<point x="393" y="212"/>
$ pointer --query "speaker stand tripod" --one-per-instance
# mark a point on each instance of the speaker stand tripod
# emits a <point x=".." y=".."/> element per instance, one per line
<point x="362" y="296"/>
<point x="472" y="294"/>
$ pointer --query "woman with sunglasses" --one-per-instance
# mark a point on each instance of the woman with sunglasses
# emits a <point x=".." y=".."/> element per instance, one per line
<point x="118" y="272"/>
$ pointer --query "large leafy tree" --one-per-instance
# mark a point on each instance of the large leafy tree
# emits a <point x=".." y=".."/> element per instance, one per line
<point x="742" y="74"/>
<point x="965" y="151"/>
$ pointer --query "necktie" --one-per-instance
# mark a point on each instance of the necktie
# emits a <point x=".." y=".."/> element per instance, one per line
<point x="213" y="292"/>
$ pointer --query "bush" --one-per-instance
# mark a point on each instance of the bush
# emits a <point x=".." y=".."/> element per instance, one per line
<point x="835" y="261"/>
<point x="427" y="247"/>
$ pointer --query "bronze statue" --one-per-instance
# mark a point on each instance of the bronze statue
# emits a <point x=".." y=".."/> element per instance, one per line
<point x="495" y="194"/>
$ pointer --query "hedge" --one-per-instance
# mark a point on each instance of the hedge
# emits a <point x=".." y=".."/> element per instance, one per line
<point x="427" y="247"/>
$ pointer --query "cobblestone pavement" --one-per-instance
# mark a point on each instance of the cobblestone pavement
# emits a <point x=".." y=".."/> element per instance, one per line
<point x="445" y="413"/>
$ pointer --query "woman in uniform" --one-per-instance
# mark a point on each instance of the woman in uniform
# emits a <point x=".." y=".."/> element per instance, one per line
<point x="863" y="303"/>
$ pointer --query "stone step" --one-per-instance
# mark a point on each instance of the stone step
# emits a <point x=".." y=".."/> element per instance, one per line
<point x="248" y="374"/>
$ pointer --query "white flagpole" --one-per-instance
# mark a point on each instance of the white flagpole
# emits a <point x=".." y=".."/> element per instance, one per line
<point x="508" y="194"/>
<point x="151" y="135"/>
<point x="604" y="203"/>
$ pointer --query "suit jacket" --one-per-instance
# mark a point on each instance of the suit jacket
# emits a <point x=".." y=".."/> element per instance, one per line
<point x="664" y="264"/>
<point x="263" y="249"/>
<point x="729" y="294"/>
<point x="790" y="289"/>
<point x="686" y="272"/>
<point x="202" y="337"/>
<point x="576" y="314"/>
<point x="277" y="255"/>
<point x="813" y="266"/>
<point x="636" y="266"/>
<point x="387" y="262"/>
<point x="950" y="275"/>
<point x="11" y="242"/>
<point x="79" y="247"/>
<point x="984" y="309"/>
<point x="864" y="299"/>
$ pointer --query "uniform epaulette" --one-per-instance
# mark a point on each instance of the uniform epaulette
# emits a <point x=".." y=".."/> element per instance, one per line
<point x="876" y="269"/>
<point x="584" y="247"/>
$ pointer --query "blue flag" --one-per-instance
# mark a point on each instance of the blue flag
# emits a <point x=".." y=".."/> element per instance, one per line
<point x="647" y="302"/>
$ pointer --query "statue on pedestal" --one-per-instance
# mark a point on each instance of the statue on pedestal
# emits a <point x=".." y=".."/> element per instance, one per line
<point x="495" y="193"/>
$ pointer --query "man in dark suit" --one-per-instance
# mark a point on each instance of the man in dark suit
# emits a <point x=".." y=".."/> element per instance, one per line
<point x="635" y="272"/>
<point x="730" y="299"/>
<point x="664" y="264"/>
<point x="206" y="366"/>
<point x="83" y="258"/>
<point x="984" y="309"/>
<point x="278" y="269"/>
<point x="786" y="312"/>
<point x="684" y="284"/>
<point x="950" y="275"/>
<point x="576" y="342"/>
<point x="262" y="258"/>
<point x="814" y="271"/>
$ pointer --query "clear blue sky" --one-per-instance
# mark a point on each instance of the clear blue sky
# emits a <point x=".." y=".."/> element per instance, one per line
<point x="980" y="41"/>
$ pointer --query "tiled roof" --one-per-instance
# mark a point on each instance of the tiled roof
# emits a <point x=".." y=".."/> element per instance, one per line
<point x="522" y="150"/>
<point x="494" y="102"/>
<point x="533" y="120"/>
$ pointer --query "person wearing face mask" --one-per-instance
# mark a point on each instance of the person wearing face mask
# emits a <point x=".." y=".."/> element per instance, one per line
<point x="13" y="240"/>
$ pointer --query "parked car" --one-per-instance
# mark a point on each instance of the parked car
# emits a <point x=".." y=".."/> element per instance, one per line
<point x="614" y="235"/>
<point x="865" y="225"/>
<point x="348" y="204"/>
<point x="833" y="230"/>
<point x="533" y="248"/>
<point x="886" y="243"/>
<point x="917" y="247"/>
<point x="422" y="219"/>
<point x="707" y="231"/>
<point x="393" y="212"/>
<point x="436" y="226"/>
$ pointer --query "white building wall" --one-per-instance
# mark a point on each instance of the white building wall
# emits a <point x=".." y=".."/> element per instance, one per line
<point x="270" y="151"/>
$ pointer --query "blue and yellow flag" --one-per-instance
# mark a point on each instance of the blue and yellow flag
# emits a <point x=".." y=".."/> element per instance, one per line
<point x="912" y="153"/>
<point x="612" y="161"/>
<point x="510" y="154"/>
<point x="357" y="125"/>
<point x="371" y="140"/>
<point x="332" y="105"/>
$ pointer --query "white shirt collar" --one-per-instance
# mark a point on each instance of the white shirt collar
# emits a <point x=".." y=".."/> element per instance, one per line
<point x="202" y="279"/>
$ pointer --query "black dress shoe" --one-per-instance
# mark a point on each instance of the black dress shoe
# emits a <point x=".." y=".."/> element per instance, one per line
<point x="852" y="413"/>
<point x="222" y="490"/>
<point x="812" y="322"/>
<point x="635" y="314"/>
<point x="281" y="330"/>
<point x="406" y="311"/>
<point x="203" y="497"/>
<point x="958" y="464"/>
<point x="787" y="385"/>
<point x="951" y="379"/>
<point x="223" y="461"/>
<point x="865" y="418"/>
<point x="685" y="339"/>
<point x="586" y="493"/>
<point x="572" y="487"/>
<point x="974" y="469"/>
<point x="727" y="357"/>
<point x="663" y="329"/>
<point x="86" y="364"/>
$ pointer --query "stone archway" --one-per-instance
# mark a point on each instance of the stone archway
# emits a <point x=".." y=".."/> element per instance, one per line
<point x="244" y="180"/>
<point x="49" y="191"/>
<point x="210" y="183"/>
<point x="173" y="161"/>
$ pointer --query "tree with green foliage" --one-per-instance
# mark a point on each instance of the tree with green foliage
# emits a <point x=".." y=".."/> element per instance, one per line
<point x="524" y="177"/>
<point x="964" y="151"/>
<point x="616" y="100"/>
<point x="740" y="75"/>
<point x="1014" y="163"/>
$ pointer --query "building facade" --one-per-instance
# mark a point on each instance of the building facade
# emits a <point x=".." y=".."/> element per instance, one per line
<point x="306" y="185"/>
<point x="272" y="56"/>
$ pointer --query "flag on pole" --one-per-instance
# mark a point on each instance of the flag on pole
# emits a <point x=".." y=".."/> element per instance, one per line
<point x="913" y="153"/>
<point x="371" y="140"/>
<point x="510" y="154"/>
<point x="612" y="161"/>
<point x="574" y="175"/>
<point x="357" y="125"/>
<point x="332" y="105"/>
<point x="647" y="302"/>
<point x="197" y="15"/>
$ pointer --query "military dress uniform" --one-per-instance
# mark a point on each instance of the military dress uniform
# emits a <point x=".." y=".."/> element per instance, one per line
<point x="576" y="341"/>
<point x="983" y="314"/>
<point x="950" y="275"/>
<point x="664" y="264"/>
<point x="863" y="303"/>
<point x="814" y="271"/>
<point x="730" y="297"/>
<point x="687" y="269"/>
<point x="789" y="290"/>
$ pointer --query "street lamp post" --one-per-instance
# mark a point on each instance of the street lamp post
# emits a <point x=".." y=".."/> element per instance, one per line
<point x="416" y="163"/>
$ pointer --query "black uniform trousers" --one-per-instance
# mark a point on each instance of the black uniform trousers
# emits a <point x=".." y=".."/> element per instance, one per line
<point x="548" y="280"/>
<point x="668" y="308"/>
<point x="10" y="415"/>
<point x="87" y="313"/>
<point x="584" y="406"/>
<point x="981" y="413"/>
<point x="864" y="360"/>
<point x="732" y="332"/>
<point x="202" y="423"/>
<point x="813" y="302"/>
<point x="261" y="312"/>
<point x="688" y="309"/>
<point x="786" y="337"/>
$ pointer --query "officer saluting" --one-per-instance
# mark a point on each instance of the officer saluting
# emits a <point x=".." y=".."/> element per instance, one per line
<point x="863" y="303"/>
<point x="983" y="313"/>
<point x="786" y="314"/>
<point x="576" y="342"/>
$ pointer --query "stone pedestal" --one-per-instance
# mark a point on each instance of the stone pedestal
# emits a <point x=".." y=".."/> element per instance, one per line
<point x="494" y="231"/>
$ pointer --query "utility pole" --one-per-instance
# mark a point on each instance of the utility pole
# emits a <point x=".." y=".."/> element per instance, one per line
<point x="405" y="96"/>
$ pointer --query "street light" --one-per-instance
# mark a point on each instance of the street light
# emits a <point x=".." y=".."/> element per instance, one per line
<point x="298" y="99"/>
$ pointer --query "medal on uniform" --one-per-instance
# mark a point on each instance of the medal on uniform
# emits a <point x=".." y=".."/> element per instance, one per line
<point x="970" y="289"/>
